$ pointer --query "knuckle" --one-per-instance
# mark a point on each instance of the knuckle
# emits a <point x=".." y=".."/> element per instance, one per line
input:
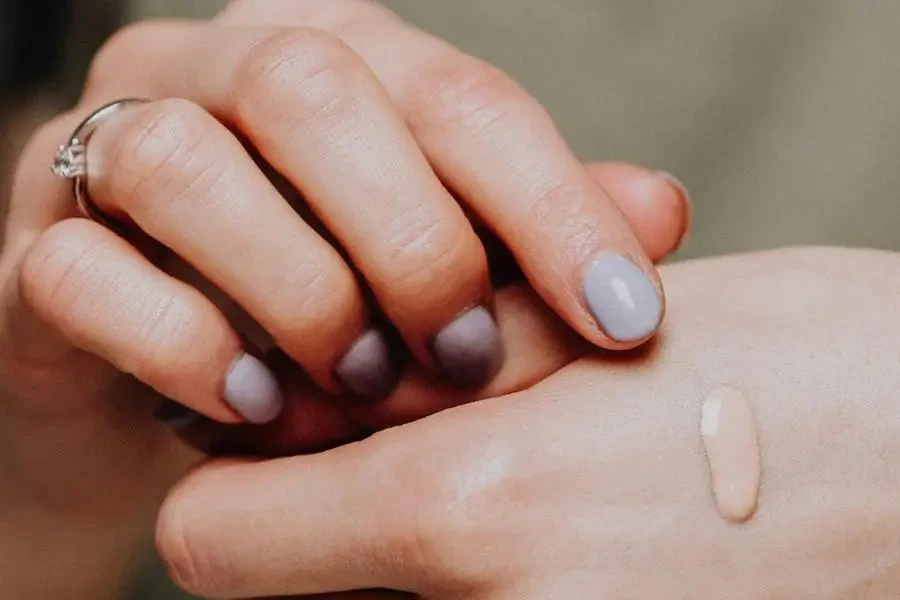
<point x="169" y="329"/>
<point x="166" y="150"/>
<point x="442" y="513"/>
<point x="185" y="548"/>
<point x="58" y="267"/>
<point x="428" y="248"/>
<point x="297" y="75"/>
<point x="563" y="214"/>
<point x="309" y="303"/>
<point x="466" y="93"/>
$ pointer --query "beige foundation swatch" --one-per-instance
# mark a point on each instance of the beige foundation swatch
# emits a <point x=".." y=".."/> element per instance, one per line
<point x="732" y="447"/>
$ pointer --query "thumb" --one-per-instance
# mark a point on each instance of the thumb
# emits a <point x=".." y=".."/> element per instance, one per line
<point x="656" y="205"/>
<point x="331" y="522"/>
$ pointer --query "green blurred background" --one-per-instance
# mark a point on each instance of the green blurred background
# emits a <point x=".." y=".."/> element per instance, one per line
<point x="781" y="117"/>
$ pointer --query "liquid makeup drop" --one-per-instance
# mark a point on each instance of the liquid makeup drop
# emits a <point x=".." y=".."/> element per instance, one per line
<point x="732" y="447"/>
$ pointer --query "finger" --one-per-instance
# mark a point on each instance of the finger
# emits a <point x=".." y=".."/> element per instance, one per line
<point x="38" y="200"/>
<point x="656" y="205"/>
<point x="544" y="344"/>
<point x="316" y="113"/>
<point x="330" y="522"/>
<point x="639" y="192"/>
<point x="208" y="553"/>
<point x="496" y="147"/>
<point x="313" y="420"/>
<point x="188" y="182"/>
<point x="106" y="298"/>
<point x="659" y="210"/>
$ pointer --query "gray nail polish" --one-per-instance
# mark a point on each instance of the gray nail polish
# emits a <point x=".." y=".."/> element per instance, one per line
<point x="622" y="298"/>
<point x="177" y="416"/>
<point x="470" y="349"/>
<point x="368" y="369"/>
<point x="252" y="390"/>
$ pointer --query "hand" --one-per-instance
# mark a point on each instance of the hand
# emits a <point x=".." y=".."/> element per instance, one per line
<point x="84" y="310"/>
<point x="372" y="137"/>
<point x="594" y="483"/>
<point x="78" y="441"/>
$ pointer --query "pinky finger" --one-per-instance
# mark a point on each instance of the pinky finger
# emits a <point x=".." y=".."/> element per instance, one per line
<point x="108" y="299"/>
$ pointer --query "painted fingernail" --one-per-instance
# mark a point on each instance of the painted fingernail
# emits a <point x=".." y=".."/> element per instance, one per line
<point x="177" y="416"/>
<point x="622" y="298"/>
<point x="686" y="202"/>
<point x="470" y="349"/>
<point x="252" y="390"/>
<point x="369" y="369"/>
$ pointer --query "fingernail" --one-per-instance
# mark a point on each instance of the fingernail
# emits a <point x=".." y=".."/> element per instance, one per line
<point x="252" y="390"/>
<point x="622" y="298"/>
<point x="368" y="369"/>
<point x="470" y="349"/>
<point x="177" y="416"/>
<point x="686" y="202"/>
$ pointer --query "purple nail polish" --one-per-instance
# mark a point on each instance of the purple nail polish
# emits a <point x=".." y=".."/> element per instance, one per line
<point x="470" y="349"/>
<point x="251" y="389"/>
<point x="369" y="369"/>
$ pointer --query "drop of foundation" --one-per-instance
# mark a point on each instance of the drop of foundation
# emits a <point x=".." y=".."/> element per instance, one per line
<point x="732" y="447"/>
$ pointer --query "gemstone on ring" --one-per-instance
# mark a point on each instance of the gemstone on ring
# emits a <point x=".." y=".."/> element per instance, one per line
<point x="70" y="161"/>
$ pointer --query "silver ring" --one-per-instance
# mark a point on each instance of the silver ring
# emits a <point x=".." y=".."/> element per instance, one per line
<point x="71" y="158"/>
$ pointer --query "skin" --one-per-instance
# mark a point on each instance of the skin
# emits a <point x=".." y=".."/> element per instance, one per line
<point x="594" y="483"/>
<point x="82" y="463"/>
<point x="76" y="434"/>
<point x="400" y="153"/>
<point x="87" y="343"/>
<point x="79" y="443"/>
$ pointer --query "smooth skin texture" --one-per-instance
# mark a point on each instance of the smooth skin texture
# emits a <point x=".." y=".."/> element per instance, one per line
<point x="389" y="146"/>
<point x="594" y="483"/>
